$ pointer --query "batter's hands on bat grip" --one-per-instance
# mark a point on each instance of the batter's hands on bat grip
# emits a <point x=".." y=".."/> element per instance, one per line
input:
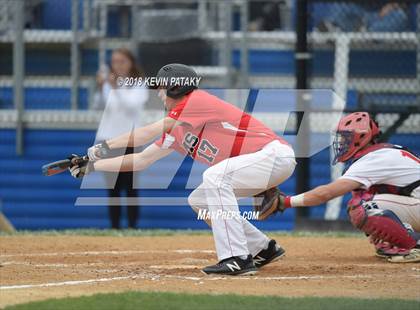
<point x="80" y="167"/>
<point x="98" y="151"/>
<point x="273" y="201"/>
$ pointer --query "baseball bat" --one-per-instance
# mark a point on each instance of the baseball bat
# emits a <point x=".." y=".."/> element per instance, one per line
<point x="62" y="165"/>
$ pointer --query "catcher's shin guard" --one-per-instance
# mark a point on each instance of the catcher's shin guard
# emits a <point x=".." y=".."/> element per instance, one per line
<point x="381" y="224"/>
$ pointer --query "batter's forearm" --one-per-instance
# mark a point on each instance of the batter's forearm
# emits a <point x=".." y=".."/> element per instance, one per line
<point x="120" y="141"/>
<point x="130" y="162"/>
<point x="135" y="138"/>
<point x="142" y="136"/>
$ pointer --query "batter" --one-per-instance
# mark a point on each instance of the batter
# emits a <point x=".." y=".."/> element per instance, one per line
<point x="244" y="156"/>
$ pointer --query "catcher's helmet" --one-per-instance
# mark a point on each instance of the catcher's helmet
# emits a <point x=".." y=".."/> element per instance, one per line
<point x="167" y="72"/>
<point x="354" y="132"/>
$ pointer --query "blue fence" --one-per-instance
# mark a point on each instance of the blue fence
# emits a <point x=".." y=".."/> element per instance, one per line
<point x="33" y="201"/>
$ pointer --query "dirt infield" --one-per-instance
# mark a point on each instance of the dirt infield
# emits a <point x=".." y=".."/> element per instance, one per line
<point x="41" y="267"/>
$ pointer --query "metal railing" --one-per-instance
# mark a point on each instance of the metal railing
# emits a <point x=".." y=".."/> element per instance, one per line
<point x="92" y="31"/>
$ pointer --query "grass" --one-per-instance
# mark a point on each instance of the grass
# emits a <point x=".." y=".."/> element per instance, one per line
<point x="164" y="232"/>
<point x="155" y="300"/>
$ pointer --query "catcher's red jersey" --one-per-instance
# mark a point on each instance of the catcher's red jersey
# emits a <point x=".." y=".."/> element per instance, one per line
<point x="213" y="130"/>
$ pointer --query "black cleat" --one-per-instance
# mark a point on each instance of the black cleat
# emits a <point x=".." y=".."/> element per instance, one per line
<point x="271" y="254"/>
<point x="232" y="266"/>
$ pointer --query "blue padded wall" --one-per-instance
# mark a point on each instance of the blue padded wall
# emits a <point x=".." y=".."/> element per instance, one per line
<point x="44" y="98"/>
<point x="32" y="201"/>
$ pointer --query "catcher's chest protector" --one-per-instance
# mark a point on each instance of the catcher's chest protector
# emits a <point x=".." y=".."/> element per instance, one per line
<point x="367" y="194"/>
<point x="380" y="224"/>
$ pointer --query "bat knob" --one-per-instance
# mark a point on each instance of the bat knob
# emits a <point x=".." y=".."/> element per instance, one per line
<point x="78" y="160"/>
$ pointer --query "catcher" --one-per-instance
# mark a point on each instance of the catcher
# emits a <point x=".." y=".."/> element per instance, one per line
<point x="385" y="183"/>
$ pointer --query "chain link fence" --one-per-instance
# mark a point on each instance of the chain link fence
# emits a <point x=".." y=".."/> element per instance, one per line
<point x="370" y="49"/>
<point x="368" y="52"/>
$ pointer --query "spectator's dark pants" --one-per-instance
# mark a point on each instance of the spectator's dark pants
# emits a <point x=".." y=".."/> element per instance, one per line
<point x="124" y="183"/>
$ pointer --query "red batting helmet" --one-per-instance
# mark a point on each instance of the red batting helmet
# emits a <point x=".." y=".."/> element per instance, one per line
<point x="354" y="132"/>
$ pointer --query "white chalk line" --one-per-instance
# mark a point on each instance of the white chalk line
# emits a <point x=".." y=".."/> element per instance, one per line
<point x="110" y="264"/>
<point x="155" y="277"/>
<point x="71" y="265"/>
<point x="129" y="252"/>
<point x="171" y="267"/>
<point x="40" y="265"/>
<point x="65" y="283"/>
<point x="152" y="276"/>
<point x="167" y="267"/>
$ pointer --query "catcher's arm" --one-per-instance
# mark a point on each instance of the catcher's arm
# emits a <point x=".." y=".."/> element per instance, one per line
<point x="132" y="162"/>
<point x="323" y="193"/>
<point x="272" y="200"/>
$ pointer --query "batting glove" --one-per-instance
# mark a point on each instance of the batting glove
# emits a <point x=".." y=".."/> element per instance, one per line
<point x="98" y="151"/>
<point x="80" y="167"/>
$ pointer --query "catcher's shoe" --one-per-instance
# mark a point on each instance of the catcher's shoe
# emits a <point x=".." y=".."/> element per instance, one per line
<point x="385" y="250"/>
<point x="412" y="257"/>
<point x="271" y="254"/>
<point x="232" y="266"/>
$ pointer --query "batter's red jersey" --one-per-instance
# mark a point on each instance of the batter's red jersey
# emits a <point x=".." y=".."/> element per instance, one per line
<point x="213" y="130"/>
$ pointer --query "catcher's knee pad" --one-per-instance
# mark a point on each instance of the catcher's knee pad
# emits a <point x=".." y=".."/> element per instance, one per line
<point x="381" y="224"/>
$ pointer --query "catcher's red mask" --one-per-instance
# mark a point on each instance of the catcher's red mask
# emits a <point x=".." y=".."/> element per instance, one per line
<point x="354" y="132"/>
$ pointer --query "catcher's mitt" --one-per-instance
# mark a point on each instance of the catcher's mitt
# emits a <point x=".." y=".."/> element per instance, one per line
<point x="268" y="203"/>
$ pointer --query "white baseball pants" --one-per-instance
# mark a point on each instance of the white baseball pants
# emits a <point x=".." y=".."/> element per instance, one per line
<point x="236" y="177"/>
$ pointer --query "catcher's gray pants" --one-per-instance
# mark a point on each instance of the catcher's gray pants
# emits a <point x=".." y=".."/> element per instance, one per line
<point x="233" y="178"/>
<point x="406" y="208"/>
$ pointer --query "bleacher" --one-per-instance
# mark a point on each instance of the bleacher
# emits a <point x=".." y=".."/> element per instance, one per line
<point x="33" y="201"/>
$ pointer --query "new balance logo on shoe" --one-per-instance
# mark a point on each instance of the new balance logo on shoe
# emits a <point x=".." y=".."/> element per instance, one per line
<point x="266" y="256"/>
<point x="258" y="259"/>
<point x="233" y="266"/>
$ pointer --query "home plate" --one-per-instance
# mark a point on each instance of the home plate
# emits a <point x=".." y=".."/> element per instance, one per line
<point x="168" y="267"/>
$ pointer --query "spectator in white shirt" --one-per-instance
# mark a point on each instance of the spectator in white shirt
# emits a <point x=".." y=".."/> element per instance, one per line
<point x="123" y="107"/>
